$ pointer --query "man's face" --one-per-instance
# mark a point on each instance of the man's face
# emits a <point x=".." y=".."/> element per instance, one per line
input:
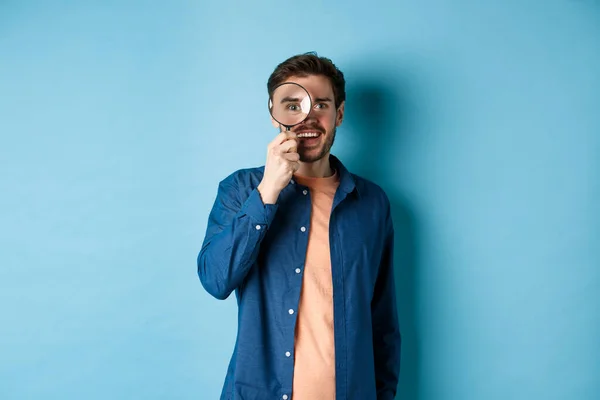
<point x="323" y="119"/>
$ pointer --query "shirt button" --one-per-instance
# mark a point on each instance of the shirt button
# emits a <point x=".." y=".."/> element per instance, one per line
<point x="305" y="192"/>
<point x="297" y="270"/>
<point x="284" y="397"/>
<point x="287" y="354"/>
<point x="291" y="311"/>
<point x="258" y="227"/>
<point x="303" y="229"/>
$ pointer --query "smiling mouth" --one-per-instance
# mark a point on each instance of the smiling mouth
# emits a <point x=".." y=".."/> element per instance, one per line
<point x="308" y="135"/>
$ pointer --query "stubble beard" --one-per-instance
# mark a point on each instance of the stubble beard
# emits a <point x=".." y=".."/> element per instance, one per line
<point x="307" y="157"/>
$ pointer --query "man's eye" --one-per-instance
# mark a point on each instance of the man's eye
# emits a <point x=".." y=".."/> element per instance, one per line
<point x="293" y="107"/>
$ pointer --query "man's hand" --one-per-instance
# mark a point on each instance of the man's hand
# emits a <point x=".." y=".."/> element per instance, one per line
<point x="282" y="162"/>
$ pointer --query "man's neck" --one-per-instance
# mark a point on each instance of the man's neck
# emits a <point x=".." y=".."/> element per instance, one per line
<point x="318" y="169"/>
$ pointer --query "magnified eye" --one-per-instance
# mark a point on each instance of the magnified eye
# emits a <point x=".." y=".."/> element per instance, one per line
<point x="290" y="104"/>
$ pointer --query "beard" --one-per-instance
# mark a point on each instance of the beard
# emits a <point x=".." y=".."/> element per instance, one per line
<point x="313" y="154"/>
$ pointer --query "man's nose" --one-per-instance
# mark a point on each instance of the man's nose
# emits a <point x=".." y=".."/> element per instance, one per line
<point x="311" y="114"/>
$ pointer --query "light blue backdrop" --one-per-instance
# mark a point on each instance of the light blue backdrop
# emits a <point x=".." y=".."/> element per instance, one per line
<point x="119" y="118"/>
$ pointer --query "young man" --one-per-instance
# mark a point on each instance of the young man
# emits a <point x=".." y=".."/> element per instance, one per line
<point x="307" y="247"/>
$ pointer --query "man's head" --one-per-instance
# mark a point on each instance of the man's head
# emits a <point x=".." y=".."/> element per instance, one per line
<point x="326" y="85"/>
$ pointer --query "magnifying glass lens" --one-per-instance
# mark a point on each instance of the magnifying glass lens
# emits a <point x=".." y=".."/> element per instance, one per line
<point x="290" y="104"/>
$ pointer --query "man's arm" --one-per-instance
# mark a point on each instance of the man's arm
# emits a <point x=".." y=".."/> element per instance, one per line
<point x="233" y="236"/>
<point x="386" y="331"/>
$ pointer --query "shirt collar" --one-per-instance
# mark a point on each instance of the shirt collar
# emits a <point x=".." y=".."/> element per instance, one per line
<point x="347" y="181"/>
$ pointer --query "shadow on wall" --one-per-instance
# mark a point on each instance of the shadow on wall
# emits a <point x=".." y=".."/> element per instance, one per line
<point x="375" y="113"/>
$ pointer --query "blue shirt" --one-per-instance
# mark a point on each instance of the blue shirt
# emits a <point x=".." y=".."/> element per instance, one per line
<point x="255" y="250"/>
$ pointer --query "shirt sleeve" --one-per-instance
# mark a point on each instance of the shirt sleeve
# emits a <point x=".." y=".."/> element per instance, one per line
<point x="234" y="232"/>
<point x="386" y="331"/>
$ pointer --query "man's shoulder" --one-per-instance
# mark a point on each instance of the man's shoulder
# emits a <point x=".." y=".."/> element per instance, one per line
<point x="366" y="188"/>
<point x="369" y="189"/>
<point x="248" y="176"/>
<point x="373" y="197"/>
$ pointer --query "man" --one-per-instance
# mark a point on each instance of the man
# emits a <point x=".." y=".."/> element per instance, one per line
<point x="307" y="247"/>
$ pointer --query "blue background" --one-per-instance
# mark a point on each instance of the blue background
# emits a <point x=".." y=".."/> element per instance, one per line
<point x="119" y="118"/>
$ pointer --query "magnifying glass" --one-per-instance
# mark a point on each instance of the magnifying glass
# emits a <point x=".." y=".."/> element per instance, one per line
<point x="290" y="104"/>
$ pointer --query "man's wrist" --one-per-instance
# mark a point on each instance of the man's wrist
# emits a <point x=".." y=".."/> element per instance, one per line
<point x="268" y="195"/>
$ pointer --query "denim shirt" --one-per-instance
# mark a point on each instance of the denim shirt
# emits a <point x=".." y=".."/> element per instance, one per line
<point x="259" y="251"/>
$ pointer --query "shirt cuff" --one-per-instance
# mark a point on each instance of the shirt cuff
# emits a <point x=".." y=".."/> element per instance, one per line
<point x="259" y="212"/>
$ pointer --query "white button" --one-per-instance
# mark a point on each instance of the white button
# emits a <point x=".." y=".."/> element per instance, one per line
<point x="285" y="397"/>
<point x="291" y="311"/>
<point x="258" y="227"/>
<point x="287" y="354"/>
<point x="305" y="192"/>
<point x="303" y="229"/>
<point x="292" y="181"/>
<point x="297" y="270"/>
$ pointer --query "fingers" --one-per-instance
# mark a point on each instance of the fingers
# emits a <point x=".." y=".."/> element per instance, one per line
<point x="293" y="156"/>
<point x="292" y="160"/>
<point x="282" y="137"/>
<point x="285" y="147"/>
<point x="291" y="165"/>
<point x="290" y="145"/>
<point x="278" y="140"/>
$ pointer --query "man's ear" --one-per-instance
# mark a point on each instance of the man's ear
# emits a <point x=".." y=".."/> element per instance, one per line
<point x="274" y="123"/>
<point x="340" y="114"/>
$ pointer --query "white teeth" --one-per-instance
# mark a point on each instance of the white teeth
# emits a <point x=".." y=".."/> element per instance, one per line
<point x="308" y="134"/>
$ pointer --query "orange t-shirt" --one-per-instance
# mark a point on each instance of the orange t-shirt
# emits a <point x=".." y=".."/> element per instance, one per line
<point x="314" y="364"/>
